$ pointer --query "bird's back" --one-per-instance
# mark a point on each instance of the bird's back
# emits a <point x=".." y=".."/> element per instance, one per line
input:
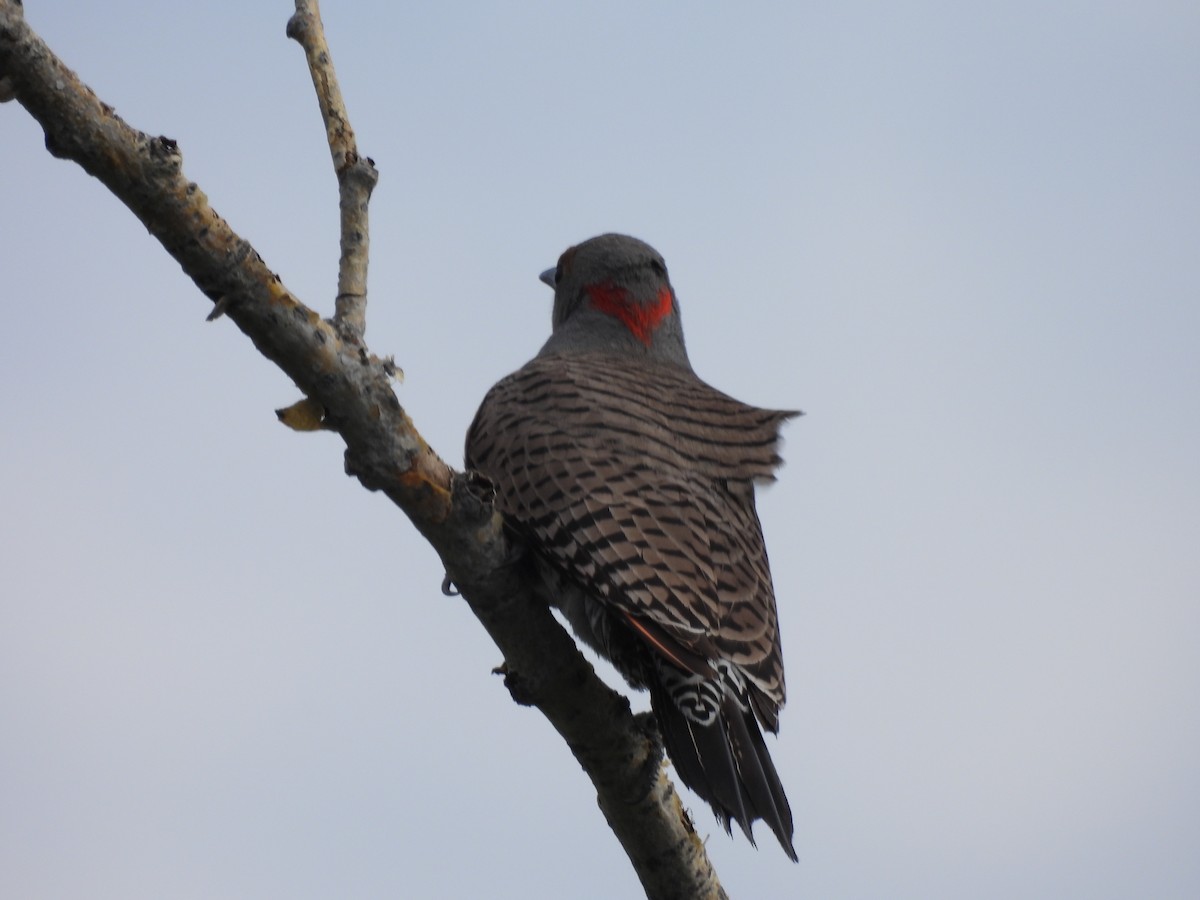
<point x="634" y="482"/>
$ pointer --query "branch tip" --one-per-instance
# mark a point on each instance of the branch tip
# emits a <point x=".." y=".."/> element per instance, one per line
<point x="219" y="307"/>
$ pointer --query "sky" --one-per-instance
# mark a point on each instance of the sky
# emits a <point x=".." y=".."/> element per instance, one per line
<point x="962" y="237"/>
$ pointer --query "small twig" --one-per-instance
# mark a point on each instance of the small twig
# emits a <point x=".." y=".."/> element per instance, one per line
<point x="356" y="175"/>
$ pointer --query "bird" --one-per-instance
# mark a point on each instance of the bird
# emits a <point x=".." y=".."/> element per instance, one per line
<point x="631" y="482"/>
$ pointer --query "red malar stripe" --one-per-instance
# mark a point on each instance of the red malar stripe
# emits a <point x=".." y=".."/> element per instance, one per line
<point x="640" y="320"/>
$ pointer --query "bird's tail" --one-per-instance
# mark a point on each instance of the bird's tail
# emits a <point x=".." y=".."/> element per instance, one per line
<point x="718" y="750"/>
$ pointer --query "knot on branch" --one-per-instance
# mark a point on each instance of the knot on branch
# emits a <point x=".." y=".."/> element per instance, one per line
<point x="520" y="689"/>
<point x="359" y="172"/>
<point x="164" y="146"/>
<point x="298" y="26"/>
<point x="472" y="498"/>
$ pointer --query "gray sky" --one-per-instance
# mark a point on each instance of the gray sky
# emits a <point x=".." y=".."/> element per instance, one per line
<point x="962" y="237"/>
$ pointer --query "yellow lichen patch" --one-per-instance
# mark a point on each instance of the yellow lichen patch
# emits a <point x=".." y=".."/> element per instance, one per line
<point x="424" y="495"/>
<point x="303" y="415"/>
<point x="277" y="293"/>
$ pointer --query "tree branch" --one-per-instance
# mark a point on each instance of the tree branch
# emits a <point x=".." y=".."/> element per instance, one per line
<point x="621" y="753"/>
<point x="356" y="175"/>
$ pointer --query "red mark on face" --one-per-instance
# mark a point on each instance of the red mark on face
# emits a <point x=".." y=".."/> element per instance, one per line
<point x="640" y="320"/>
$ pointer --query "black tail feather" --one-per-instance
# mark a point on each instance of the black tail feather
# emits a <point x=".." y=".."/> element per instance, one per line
<point x="757" y="773"/>
<point x="727" y="764"/>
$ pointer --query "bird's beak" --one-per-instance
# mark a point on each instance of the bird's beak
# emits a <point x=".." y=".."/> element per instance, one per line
<point x="547" y="277"/>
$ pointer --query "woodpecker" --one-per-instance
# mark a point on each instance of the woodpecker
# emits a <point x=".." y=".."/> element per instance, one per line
<point x="631" y="482"/>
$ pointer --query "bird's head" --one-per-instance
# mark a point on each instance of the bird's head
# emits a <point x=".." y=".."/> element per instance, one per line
<point x="612" y="292"/>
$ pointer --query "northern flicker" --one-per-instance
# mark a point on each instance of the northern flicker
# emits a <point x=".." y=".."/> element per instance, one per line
<point x="632" y="483"/>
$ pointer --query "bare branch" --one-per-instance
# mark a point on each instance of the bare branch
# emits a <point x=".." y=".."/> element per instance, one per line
<point x="356" y="175"/>
<point x="621" y="753"/>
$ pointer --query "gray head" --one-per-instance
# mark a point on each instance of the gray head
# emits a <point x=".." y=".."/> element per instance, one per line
<point x="612" y="293"/>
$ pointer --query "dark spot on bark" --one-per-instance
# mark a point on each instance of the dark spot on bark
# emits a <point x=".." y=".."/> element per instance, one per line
<point x="519" y="688"/>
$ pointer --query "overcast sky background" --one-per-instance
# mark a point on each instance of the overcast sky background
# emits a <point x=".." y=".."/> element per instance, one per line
<point x="962" y="237"/>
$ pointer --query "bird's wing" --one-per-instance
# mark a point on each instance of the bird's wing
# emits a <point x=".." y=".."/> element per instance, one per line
<point x="640" y="489"/>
